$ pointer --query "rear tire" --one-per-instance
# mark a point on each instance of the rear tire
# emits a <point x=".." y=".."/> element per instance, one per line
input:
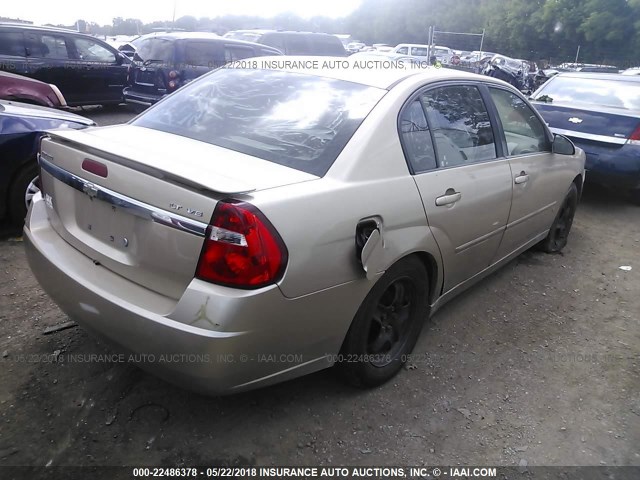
<point x="386" y="326"/>
<point x="18" y="192"/>
<point x="558" y="235"/>
<point x="634" y="196"/>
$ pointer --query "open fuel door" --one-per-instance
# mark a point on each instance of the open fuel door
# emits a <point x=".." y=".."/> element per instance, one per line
<point x="369" y="246"/>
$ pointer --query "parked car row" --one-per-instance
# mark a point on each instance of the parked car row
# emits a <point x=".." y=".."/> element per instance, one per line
<point x="85" y="69"/>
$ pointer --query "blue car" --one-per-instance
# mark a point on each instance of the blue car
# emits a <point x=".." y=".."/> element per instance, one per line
<point x="600" y="113"/>
<point x="21" y="126"/>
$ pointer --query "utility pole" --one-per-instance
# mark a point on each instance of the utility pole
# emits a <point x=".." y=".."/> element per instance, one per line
<point x="577" y="53"/>
<point x="173" y="23"/>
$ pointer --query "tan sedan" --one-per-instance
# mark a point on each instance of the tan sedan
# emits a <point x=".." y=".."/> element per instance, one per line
<point x="264" y="223"/>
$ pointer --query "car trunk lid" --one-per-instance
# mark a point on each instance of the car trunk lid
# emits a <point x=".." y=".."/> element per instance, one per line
<point x="137" y="201"/>
<point x="609" y="125"/>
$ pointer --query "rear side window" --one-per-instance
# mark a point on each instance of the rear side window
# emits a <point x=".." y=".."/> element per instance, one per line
<point x="300" y="121"/>
<point x="461" y="126"/>
<point x="416" y="138"/>
<point x="237" y="52"/>
<point x="325" y="45"/>
<point x="203" y="54"/>
<point x="274" y="40"/>
<point x="296" y="45"/>
<point x="155" y="50"/>
<point x="49" y="46"/>
<point x="12" y="44"/>
<point x="523" y="130"/>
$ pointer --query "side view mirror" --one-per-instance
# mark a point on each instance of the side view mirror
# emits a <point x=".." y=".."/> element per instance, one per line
<point x="563" y="146"/>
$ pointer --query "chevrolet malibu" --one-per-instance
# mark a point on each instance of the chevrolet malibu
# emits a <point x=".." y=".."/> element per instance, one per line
<point x="261" y="224"/>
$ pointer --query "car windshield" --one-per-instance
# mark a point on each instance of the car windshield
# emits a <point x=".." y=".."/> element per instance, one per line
<point x="593" y="91"/>
<point x="297" y="120"/>
<point x="155" y="49"/>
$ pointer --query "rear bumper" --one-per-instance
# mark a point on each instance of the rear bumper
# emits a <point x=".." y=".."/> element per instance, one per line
<point x="215" y="340"/>
<point x="611" y="165"/>
<point x="137" y="98"/>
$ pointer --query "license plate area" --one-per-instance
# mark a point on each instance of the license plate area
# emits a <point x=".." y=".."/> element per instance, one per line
<point x="105" y="222"/>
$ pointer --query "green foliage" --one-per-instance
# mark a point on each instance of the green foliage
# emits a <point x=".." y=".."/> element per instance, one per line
<point x="607" y="31"/>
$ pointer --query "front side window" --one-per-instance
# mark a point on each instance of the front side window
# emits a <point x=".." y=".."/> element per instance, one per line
<point x="300" y="121"/>
<point x="460" y="124"/>
<point x="416" y="138"/>
<point x="403" y="51"/>
<point x="523" y="130"/>
<point x="91" y="51"/>
<point x="419" y="52"/>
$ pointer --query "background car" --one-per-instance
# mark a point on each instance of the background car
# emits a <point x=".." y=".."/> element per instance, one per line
<point x="632" y="71"/>
<point x="21" y="127"/>
<point x="87" y="70"/>
<point x="165" y="62"/>
<point x="28" y="90"/>
<point x="601" y="114"/>
<point x="293" y="43"/>
<point x="313" y="236"/>
<point x="442" y="54"/>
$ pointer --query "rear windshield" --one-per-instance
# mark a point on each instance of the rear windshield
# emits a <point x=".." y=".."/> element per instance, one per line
<point x="594" y="91"/>
<point x="300" y="121"/>
<point x="155" y="50"/>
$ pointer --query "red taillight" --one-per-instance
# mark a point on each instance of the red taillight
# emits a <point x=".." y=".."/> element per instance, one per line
<point x="635" y="136"/>
<point x="173" y="74"/>
<point x="242" y="249"/>
<point x="173" y="84"/>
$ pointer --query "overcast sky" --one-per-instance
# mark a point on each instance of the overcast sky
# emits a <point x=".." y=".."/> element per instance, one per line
<point x="66" y="12"/>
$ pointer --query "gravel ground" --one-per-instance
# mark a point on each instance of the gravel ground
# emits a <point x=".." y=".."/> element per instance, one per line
<point x="537" y="364"/>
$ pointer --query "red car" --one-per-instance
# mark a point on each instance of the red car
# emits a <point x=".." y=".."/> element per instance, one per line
<point x="28" y="90"/>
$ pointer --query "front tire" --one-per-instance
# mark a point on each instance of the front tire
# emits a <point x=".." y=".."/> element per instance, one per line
<point x="386" y="326"/>
<point x="558" y="235"/>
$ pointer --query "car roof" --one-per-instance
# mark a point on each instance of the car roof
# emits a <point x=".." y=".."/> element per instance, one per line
<point x="187" y="35"/>
<point x="39" y="27"/>
<point x="205" y="36"/>
<point x="601" y="76"/>
<point x="384" y="78"/>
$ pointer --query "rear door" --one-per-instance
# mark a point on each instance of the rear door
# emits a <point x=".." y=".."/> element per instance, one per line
<point x="540" y="178"/>
<point x="13" y="52"/>
<point x="464" y="185"/>
<point x="51" y="60"/>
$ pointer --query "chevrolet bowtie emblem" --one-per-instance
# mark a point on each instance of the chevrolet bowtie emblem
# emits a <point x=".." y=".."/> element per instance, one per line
<point x="575" y="120"/>
<point x="90" y="189"/>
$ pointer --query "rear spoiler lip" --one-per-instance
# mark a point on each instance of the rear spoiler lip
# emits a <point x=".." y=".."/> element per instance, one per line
<point x="146" y="169"/>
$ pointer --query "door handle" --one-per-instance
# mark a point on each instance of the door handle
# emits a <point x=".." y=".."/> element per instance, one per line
<point x="449" y="197"/>
<point x="522" y="178"/>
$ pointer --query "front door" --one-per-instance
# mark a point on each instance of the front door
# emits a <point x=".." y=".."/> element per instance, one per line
<point x="539" y="179"/>
<point x="102" y="72"/>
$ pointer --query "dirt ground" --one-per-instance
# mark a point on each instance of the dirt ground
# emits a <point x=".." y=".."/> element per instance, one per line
<point x="537" y="364"/>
